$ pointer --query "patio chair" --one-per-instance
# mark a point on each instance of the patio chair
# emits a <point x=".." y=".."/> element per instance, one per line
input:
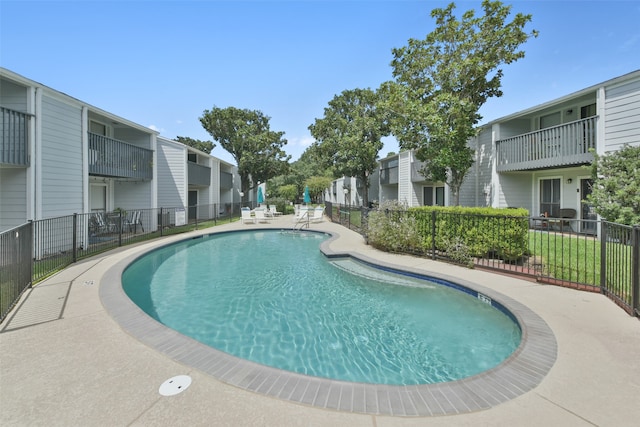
<point x="103" y="225"/>
<point x="318" y="214"/>
<point x="566" y="215"/>
<point x="274" y="211"/>
<point x="260" y="215"/>
<point x="134" y="221"/>
<point x="301" y="214"/>
<point x="246" y="216"/>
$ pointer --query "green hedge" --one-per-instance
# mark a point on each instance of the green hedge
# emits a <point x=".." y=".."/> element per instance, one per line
<point x="486" y="232"/>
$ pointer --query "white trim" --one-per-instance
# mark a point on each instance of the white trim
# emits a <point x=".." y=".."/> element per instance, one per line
<point x="37" y="160"/>
<point x="154" y="173"/>
<point x="33" y="159"/>
<point x="84" y="138"/>
<point x="601" y="109"/>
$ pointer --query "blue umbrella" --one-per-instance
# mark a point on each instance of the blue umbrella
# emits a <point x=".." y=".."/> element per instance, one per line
<point x="260" y="197"/>
<point x="307" y="199"/>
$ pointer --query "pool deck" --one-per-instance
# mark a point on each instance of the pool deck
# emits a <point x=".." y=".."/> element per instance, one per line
<point x="65" y="360"/>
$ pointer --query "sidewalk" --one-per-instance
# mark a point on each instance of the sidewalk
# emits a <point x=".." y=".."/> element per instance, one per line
<point x="64" y="361"/>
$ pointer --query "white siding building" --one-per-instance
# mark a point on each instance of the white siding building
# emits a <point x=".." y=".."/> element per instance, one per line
<point x="535" y="159"/>
<point x="60" y="156"/>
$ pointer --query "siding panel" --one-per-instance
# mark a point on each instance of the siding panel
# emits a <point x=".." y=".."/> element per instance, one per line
<point x="13" y="203"/>
<point x="622" y="118"/>
<point x="172" y="175"/>
<point x="61" y="158"/>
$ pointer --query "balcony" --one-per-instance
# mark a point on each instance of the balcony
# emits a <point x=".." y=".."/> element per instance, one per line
<point x="14" y="128"/>
<point x="199" y="175"/>
<point x="113" y="158"/>
<point x="226" y="181"/>
<point x="559" y="146"/>
<point x="389" y="176"/>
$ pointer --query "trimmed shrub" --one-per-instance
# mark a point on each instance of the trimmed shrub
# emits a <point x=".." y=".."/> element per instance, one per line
<point x="392" y="229"/>
<point x="486" y="232"/>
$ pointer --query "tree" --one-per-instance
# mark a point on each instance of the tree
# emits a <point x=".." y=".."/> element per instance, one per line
<point x="349" y="136"/>
<point x="317" y="185"/>
<point x="288" y="192"/>
<point x="206" y="146"/>
<point x="616" y="186"/>
<point x="246" y="135"/>
<point x="442" y="81"/>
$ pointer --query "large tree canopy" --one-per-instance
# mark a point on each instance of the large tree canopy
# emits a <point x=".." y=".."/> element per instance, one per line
<point x="246" y="135"/>
<point x="349" y="136"/>
<point x="616" y="186"/>
<point x="309" y="165"/>
<point x="205" y="146"/>
<point x="442" y="81"/>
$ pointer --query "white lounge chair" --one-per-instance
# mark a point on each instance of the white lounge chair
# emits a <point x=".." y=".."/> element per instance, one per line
<point x="261" y="215"/>
<point x="301" y="214"/>
<point x="273" y="210"/>
<point x="246" y="216"/>
<point x="318" y="214"/>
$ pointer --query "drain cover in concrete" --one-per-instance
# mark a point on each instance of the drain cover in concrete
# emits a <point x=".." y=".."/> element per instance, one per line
<point x="175" y="385"/>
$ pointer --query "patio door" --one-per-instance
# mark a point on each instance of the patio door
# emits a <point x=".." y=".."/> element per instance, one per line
<point x="98" y="198"/>
<point x="193" y="201"/>
<point x="550" y="197"/>
<point x="587" y="212"/>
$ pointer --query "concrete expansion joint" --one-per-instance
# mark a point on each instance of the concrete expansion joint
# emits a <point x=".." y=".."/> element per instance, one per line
<point x="569" y="411"/>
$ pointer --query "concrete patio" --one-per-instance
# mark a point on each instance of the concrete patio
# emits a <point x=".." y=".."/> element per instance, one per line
<point x="65" y="361"/>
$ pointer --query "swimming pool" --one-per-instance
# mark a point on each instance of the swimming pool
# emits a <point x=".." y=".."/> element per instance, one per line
<point x="273" y="298"/>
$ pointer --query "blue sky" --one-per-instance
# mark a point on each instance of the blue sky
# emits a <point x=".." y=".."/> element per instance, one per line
<point x="162" y="63"/>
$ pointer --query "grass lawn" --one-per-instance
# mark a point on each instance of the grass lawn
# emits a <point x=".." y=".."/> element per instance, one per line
<point x="577" y="258"/>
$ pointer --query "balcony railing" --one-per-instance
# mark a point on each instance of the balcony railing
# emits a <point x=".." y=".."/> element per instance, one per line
<point x="563" y="145"/>
<point x="14" y="131"/>
<point x="110" y="157"/>
<point x="226" y="180"/>
<point x="389" y="175"/>
<point x="199" y="174"/>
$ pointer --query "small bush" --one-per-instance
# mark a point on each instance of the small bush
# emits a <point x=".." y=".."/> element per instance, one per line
<point x="392" y="229"/>
<point x="458" y="252"/>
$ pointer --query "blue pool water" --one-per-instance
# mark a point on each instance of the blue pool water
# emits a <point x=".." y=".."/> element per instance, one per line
<point x="275" y="299"/>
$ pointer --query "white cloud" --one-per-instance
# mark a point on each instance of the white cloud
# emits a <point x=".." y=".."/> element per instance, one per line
<point x="301" y="142"/>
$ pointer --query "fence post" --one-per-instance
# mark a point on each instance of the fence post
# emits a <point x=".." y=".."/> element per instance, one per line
<point x="32" y="252"/>
<point x="433" y="235"/>
<point x="635" y="275"/>
<point x="75" y="237"/>
<point x="161" y="219"/>
<point x="120" y="228"/>
<point x="603" y="257"/>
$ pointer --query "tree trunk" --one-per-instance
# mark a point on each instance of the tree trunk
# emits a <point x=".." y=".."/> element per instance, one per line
<point x="365" y="191"/>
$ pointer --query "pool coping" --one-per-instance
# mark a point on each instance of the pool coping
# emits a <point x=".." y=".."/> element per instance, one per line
<point x="518" y="374"/>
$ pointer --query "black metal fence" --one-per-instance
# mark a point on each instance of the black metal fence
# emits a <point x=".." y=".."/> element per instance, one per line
<point x="559" y="251"/>
<point x="35" y="250"/>
<point x="15" y="265"/>
<point x="556" y="251"/>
